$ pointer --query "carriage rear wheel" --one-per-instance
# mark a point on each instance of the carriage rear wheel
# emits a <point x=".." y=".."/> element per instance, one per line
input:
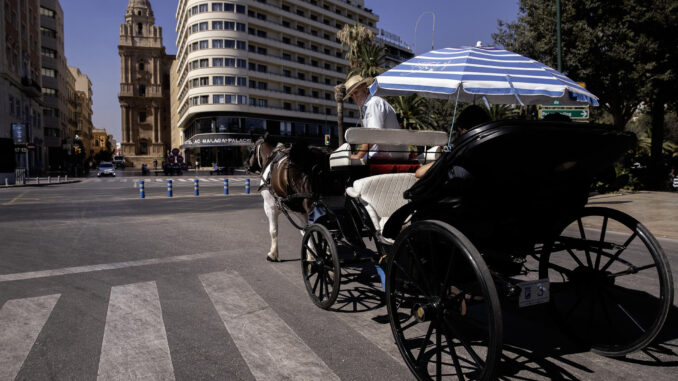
<point x="442" y="304"/>
<point x="320" y="266"/>
<point x="611" y="285"/>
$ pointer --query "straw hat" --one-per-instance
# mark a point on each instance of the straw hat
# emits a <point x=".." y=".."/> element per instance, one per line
<point x="354" y="82"/>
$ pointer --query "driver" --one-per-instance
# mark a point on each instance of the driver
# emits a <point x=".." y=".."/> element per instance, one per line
<point x="375" y="113"/>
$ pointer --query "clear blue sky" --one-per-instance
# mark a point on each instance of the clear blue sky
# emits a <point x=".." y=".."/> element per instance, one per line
<point x="92" y="29"/>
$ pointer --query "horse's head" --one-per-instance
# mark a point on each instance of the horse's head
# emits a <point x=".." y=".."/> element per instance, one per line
<point x="254" y="162"/>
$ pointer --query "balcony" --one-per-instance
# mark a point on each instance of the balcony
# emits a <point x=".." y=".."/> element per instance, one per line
<point x="31" y="87"/>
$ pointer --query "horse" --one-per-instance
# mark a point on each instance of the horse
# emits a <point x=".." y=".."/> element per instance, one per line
<point x="286" y="181"/>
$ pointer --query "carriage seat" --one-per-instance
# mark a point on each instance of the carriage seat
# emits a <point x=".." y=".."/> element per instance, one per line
<point x="382" y="195"/>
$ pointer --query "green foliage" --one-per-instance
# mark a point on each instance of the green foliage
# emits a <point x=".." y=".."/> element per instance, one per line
<point x="353" y="37"/>
<point x="370" y="61"/>
<point x="411" y="111"/>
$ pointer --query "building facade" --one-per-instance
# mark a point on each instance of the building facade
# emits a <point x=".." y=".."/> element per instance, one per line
<point x="20" y="88"/>
<point x="144" y="86"/>
<point x="248" y="67"/>
<point x="82" y="117"/>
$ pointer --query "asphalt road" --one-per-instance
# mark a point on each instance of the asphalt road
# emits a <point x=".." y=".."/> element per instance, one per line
<point x="89" y="272"/>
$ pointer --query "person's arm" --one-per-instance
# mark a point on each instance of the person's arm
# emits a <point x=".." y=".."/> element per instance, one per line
<point x="362" y="151"/>
<point x="422" y="170"/>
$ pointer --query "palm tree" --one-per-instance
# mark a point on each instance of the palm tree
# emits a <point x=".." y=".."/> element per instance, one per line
<point x="370" y="60"/>
<point x="412" y="112"/>
<point x="353" y="37"/>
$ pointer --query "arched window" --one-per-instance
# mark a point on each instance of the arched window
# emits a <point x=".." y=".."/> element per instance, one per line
<point x="142" y="67"/>
<point x="142" y="90"/>
<point x="138" y="13"/>
<point x="140" y="29"/>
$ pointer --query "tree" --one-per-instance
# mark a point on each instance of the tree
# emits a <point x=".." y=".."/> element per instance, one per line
<point x="370" y="61"/>
<point x="411" y="112"/>
<point x="353" y="37"/>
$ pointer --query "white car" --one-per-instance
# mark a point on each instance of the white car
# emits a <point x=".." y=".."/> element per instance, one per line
<point x="106" y="169"/>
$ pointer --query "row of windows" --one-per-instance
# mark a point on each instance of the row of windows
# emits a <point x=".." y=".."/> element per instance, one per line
<point x="218" y="7"/>
<point x="219" y="80"/>
<point x="217" y="44"/>
<point x="49" y="72"/>
<point x="217" y="62"/>
<point x="218" y="99"/>
<point x="47" y="52"/>
<point x="218" y="25"/>
<point x="47" y="12"/>
<point x="47" y="32"/>
<point x="28" y="113"/>
<point x="49" y="92"/>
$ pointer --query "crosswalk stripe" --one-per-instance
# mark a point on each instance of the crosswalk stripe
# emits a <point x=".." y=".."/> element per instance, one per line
<point x="21" y="321"/>
<point x="269" y="346"/>
<point x="135" y="343"/>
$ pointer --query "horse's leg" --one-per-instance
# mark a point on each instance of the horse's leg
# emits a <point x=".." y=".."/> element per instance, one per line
<point x="272" y="213"/>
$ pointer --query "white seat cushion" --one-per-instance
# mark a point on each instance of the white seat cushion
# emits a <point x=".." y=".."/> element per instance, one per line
<point x="341" y="157"/>
<point x="382" y="194"/>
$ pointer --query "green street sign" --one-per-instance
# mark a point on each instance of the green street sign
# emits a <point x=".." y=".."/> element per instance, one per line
<point x="574" y="112"/>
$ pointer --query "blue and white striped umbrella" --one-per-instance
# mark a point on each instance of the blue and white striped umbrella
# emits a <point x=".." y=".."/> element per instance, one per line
<point x="499" y="76"/>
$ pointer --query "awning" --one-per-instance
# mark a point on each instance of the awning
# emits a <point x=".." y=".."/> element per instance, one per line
<point x="218" y="140"/>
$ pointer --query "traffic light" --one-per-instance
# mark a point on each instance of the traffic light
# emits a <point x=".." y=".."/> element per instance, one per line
<point x="327" y="140"/>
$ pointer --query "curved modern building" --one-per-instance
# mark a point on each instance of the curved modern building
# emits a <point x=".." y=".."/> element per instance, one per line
<point x="246" y="67"/>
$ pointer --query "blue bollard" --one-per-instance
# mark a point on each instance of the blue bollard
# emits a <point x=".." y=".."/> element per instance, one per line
<point x="196" y="190"/>
<point x="142" y="193"/>
<point x="247" y="186"/>
<point x="169" y="188"/>
<point x="225" y="186"/>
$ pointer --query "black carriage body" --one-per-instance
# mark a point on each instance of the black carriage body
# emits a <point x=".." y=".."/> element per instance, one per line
<point x="508" y="185"/>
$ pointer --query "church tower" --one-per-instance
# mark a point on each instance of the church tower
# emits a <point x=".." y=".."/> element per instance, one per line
<point x="144" y="86"/>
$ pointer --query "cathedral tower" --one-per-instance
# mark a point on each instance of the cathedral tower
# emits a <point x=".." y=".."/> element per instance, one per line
<point x="144" y="86"/>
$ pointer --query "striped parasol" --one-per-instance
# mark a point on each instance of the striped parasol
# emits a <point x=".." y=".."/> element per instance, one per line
<point x="482" y="73"/>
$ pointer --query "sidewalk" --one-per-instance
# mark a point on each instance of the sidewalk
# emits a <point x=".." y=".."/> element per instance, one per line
<point x="658" y="211"/>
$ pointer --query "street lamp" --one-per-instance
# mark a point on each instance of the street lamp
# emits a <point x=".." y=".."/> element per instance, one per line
<point x="432" y="33"/>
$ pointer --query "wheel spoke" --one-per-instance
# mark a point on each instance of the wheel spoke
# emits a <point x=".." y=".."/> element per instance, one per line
<point x="632" y="270"/>
<point x="574" y="256"/>
<point x="315" y="285"/>
<point x="426" y="294"/>
<point x="466" y="344"/>
<point x="327" y="290"/>
<point x="603" y="230"/>
<point x="424" y="344"/>
<point x="619" y="252"/>
<point x="321" y="291"/>
<point x="418" y="265"/>
<point x="448" y="273"/>
<point x="312" y="252"/>
<point x="455" y="357"/>
<point x="619" y="305"/>
<point x="583" y="236"/>
<point x="439" y="359"/>
<point x="560" y="269"/>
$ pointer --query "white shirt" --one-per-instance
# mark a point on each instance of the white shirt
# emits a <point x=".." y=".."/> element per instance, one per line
<point x="377" y="113"/>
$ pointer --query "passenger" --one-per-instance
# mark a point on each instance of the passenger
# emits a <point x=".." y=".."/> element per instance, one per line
<point x="375" y="113"/>
<point x="470" y="117"/>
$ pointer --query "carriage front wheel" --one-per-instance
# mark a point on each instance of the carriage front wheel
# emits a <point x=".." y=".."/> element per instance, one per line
<point x="611" y="285"/>
<point x="320" y="266"/>
<point x="442" y="304"/>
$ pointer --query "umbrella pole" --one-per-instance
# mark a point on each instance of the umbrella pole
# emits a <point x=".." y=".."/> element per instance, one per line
<point x="454" y="117"/>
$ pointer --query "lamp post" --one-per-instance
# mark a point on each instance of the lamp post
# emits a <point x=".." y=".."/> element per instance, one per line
<point x="432" y="33"/>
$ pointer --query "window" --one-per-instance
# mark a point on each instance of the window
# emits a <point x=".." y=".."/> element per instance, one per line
<point x="301" y="92"/>
<point x="142" y="67"/>
<point x="240" y="9"/>
<point x="241" y="45"/>
<point x="11" y="105"/>
<point x="142" y="90"/>
<point x="217" y="44"/>
<point x="253" y="101"/>
<point x="140" y="29"/>
<point x="261" y="33"/>
<point x="287" y="106"/>
<point x="229" y="25"/>
<point x="262" y="68"/>
<point x="301" y="60"/>
<point x="204" y="44"/>
<point x="262" y="86"/>
<point x="252" y="66"/>
<point x="229" y="99"/>
<point x="230" y="81"/>
<point x="263" y="103"/>
<point x="217" y="62"/>
<point x="203" y="8"/>
<point x="47" y="32"/>
<point x="287" y="73"/>
<point x="228" y="7"/>
<point x="142" y="116"/>
<point x="217" y="80"/>
<point x="217" y="25"/>
<point x="143" y="148"/>
<point x="286" y="23"/>
<point x="48" y="92"/>
<point x="229" y="62"/>
<point x="204" y="81"/>
<point x="286" y="57"/>
<point x="47" y="12"/>
<point x="204" y="99"/>
<point x="195" y="82"/>
<point x="47" y="52"/>
<point x="314" y="94"/>
<point x="253" y="84"/>
<point x="240" y="27"/>
<point x="242" y="63"/>
<point x="302" y="108"/>
<point x="242" y="81"/>
<point x="217" y="7"/>
<point x="300" y="44"/>
<point x="242" y="99"/>
<point x="195" y="64"/>
<point x="286" y="40"/>
<point x="300" y="28"/>
<point x="48" y="72"/>
<point x="218" y="98"/>
<point x="261" y="50"/>
<point x="204" y="62"/>
<point x="287" y="90"/>
<point x="204" y="26"/>
<point x="301" y="76"/>
<point x="194" y="10"/>
<point x="229" y="44"/>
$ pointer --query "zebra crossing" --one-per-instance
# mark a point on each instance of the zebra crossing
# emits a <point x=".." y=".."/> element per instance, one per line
<point x="134" y="344"/>
<point x="176" y="181"/>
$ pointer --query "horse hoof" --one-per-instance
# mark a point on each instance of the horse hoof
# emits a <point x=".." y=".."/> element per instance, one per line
<point x="271" y="259"/>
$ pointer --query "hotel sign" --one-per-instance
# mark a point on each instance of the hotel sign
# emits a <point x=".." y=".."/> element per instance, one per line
<point x="217" y="140"/>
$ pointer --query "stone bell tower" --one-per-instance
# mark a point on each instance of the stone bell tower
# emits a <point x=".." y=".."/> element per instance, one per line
<point x="144" y="86"/>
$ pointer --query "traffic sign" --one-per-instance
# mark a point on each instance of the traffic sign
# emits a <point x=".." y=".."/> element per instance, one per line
<point x="573" y="113"/>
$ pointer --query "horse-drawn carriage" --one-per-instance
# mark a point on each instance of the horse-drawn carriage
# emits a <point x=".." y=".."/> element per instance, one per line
<point x="499" y="221"/>
<point x="456" y="247"/>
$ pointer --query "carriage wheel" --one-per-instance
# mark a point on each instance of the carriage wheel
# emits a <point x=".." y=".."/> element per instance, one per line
<point x="442" y="304"/>
<point x="320" y="266"/>
<point x="611" y="286"/>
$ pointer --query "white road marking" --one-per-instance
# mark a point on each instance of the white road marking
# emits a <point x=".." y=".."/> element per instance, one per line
<point x="102" y="267"/>
<point x="135" y="343"/>
<point x="270" y="347"/>
<point x="21" y="321"/>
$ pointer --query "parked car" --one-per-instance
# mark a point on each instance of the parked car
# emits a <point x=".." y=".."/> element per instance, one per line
<point x="106" y="169"/>
<point x="119" y="161"/>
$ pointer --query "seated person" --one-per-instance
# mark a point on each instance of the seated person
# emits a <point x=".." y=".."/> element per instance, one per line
<point x="376" y="113"/>
<point x="470" y="117"/>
